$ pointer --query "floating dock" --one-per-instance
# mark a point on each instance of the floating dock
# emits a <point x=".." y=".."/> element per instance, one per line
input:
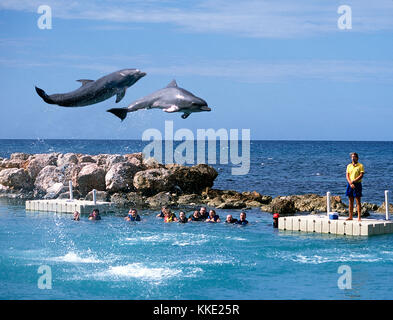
<point x="322" y="224"/>
<point x="69" y="206"/>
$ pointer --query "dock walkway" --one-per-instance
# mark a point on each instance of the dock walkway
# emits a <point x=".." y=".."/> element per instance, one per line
<point x="322" y="224"/>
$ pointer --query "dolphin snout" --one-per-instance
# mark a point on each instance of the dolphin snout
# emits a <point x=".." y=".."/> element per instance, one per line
<point x="142" y="74"/>
<point x="206" y="108"/>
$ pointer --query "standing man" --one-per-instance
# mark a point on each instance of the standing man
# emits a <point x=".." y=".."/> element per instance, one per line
<point x="355" y="172"/>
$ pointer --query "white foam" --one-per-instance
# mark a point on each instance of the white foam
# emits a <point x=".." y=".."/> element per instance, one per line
<point x="139" y="271"/>
<point x="316" y="259"/>
<point x="236" y="238"/>
<point x="72" y="257"/>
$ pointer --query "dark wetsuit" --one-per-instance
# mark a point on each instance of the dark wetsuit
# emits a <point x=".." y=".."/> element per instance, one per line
<point x="185" y="220"/>
<point x="194" y="219"/>
<point x="233" y="220"/>
<point x="161" y="215"/>
<point x="97" y="217"/>
<point x="204" y="217"/>
<point x="215" y="218"/>
<point x="137" y="218"/>
<point x="244" y="222"/>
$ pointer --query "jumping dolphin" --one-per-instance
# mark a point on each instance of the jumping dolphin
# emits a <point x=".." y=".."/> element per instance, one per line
<point x="170" y="99"/>
<point x="92" y="92"/>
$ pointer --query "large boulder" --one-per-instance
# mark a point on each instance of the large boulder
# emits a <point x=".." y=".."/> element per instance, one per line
<point x="120" y="177"/>
<point x="159" y="200"/>
<point x="55" y="190"/>
<point x="15" y="178"/>
<point x="317" y="203"/>
<point x="90" y="177"/>
<point x="17" y="160"/>
<point x="19" y="156"/>
<point x="283" y="206"/>
<point x="382" y="208"/>
<point x="129" y="200"/>
<point x="190" y="199"/>
<point x="371" y="207"/>
<point x="37" y="162"/>
<point x="151" y="163"/>
<point x="100" y="196"/>
<point x="153" y="181"/>
<point x="192" y="179"/>
<point x="304" y="203"/>
<point x="67" y="159"/>
<point x="106" y="161"/>
<point x="66" y="195"/>
<point x="255" y="197"/>
<point x="136" y="159"/>
<point x="86" y="158"/>
<point x="47" y="177"/>
<point x="113" y="159"/>
<point x="232" y="204"/>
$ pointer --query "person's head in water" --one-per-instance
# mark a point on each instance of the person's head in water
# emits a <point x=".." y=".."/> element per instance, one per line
<point x="202" y="211"/>
<point x="168" y="212"/>
<point x="133" y="212"/>
<point x="243" y="216"/>
<point x="95" y="215"/>
<point x="212" y="213"/>
<point x="354" y="157"/>
<point x="76" y="216"/>
<point x="196" y="214"/>
<point x="229" y="218"/>
<point x="182" y="215"/>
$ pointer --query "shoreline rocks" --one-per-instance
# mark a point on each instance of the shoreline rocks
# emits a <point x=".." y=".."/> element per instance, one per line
<point x="131" y="181"/>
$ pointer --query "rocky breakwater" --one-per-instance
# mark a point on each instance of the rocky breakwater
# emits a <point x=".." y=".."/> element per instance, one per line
<point x="129" y="180"/>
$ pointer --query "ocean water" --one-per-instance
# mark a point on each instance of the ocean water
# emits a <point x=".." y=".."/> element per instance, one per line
<point x="115" y="259"/>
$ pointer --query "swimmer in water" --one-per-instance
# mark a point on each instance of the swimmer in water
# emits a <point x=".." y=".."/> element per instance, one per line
<point x="195" y="216"/>
<point x="213" y="217"/>
<point x="203" y="213"/>
<point x="76" y="216"/>
<point x="242" y="219"/>
<point x="132" y="216"/>
<point x="182" y="217"/>
<point x="230" y="219"/>
<point x="95" y="215"/>
<point x="162" y="213"/>
<point x="169" y="216"/>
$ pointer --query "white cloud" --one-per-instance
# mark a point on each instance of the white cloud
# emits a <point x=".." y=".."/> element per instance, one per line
<point x="249" y="18"/>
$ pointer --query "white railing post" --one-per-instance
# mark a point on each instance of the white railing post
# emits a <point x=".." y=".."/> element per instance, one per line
<point x="94" y="196"/>
<point x="71" y="191"/>
<point x="387" y="204"/>
<point x="328" y="203"/>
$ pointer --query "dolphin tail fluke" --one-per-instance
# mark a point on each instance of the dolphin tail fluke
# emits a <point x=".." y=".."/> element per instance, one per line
<point x="119" y="112"/>
<point x="44" y="96"/>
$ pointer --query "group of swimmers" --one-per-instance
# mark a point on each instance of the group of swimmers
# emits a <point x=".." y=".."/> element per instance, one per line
<point x="94" y="215"/>
<point x="200" y="215"/>
<point x="169" y="216"/>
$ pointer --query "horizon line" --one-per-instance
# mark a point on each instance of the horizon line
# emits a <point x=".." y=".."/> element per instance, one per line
<point x="148" y="141"/>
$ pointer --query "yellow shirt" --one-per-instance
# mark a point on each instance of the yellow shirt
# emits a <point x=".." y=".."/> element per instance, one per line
<point x="355" y="171"/>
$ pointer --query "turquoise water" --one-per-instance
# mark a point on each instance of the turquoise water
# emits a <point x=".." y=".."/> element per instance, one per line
<point x="115" y="259"/>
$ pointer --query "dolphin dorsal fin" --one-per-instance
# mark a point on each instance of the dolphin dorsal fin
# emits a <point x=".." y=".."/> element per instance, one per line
<point x="172" y="84"/>
<point x="85" y="81"/>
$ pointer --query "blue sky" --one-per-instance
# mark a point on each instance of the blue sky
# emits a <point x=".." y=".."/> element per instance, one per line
<point x="282" y="69"/>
